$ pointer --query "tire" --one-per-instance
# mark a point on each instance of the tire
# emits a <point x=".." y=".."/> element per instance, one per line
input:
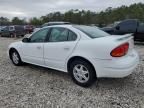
<point x="11" y="35"/>
<point x="84" y="78"/>
<point x="15" y="58"/>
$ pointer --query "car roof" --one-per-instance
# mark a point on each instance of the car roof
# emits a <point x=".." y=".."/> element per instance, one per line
<point x="55" y="23"/>
<point x="68" y="25"/>
<point x="64" y="25"/>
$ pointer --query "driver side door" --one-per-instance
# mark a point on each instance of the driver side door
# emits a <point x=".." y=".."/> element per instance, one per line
<point x="32" y="51"/>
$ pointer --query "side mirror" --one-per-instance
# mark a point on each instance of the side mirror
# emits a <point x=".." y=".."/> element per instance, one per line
<point x="117" y="27"/>
<point x="26" y="40"/>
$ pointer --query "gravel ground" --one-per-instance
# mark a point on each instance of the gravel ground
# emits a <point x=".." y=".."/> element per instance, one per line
<point x="30" y="86"/>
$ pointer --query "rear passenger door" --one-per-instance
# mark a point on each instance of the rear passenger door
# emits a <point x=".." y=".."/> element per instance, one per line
<point x="60" y="45"/>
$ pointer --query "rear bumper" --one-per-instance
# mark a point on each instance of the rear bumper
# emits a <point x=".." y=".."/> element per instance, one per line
<point x="119" y="72"/>
<point x="117" y="68"/>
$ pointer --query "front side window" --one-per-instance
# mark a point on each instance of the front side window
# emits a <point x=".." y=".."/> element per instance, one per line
<point x="39" y="36"/>
<point x="11" y="28"/>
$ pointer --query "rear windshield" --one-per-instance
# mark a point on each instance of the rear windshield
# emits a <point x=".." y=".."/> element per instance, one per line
<point x="92" y="32"/>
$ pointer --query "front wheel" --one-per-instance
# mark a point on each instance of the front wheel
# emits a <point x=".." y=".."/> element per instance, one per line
<point x="15" y="57"/>
<point x="82" y="73"/>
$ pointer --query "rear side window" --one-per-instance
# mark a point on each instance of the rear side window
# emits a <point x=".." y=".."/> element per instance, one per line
<point x="59" y="34"/>
<point x="72" y="36"/>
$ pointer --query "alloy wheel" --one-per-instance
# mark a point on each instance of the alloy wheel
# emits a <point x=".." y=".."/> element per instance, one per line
<point x="81" y="73"/>
<point x="15" y="58"/>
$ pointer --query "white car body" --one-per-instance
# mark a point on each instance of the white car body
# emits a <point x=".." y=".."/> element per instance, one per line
<point x="56" y="55"/>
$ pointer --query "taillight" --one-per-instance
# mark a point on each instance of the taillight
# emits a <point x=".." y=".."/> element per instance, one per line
<point x="120" y="50"/>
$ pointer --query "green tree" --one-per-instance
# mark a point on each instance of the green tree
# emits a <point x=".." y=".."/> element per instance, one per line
<point x="4" y="21"/>
<point x="108" y="16"/>
<point x="17" y="21"/>
<point x="36" y="21"/>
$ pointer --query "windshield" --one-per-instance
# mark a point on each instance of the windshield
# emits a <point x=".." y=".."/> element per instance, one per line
<point x="92" y="32"/>
<point x="3" y="28"/>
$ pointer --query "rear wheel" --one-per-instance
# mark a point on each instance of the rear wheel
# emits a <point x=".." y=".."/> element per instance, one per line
<point x="82" y="73"/>
<point x="15" y="57"/>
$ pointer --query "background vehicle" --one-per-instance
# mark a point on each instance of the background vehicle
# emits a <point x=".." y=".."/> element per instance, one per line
<point x="11" y="31"/>
<point x="87" y="53"/>
<point x="28" y="28"/>
<point x="1" y="27"/>
<point x="127" y="26"/>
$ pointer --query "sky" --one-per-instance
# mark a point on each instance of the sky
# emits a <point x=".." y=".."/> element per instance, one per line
<point x="37" y="8"/>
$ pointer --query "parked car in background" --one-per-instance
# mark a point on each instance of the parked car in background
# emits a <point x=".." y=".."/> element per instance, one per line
<point x="29" y="28"/>
<point x="87" y="53"/>
<point x="12" y="31"/>
<point x="127" y="26"/>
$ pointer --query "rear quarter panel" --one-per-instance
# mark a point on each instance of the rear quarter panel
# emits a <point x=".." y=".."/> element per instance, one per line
<point x="98" y="48"/>
<point x="95" y="48"/>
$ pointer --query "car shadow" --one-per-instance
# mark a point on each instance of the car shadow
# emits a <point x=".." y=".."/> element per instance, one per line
<point x="114" y="82"/>
<point x="106" y="83"/>
<point x="46" y="70"/>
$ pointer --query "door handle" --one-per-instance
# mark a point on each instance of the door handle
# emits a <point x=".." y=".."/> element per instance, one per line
<point x="38" y="47"/>
<point x="66" y="48"/>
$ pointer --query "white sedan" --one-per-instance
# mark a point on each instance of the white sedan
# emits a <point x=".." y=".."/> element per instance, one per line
<point x="85" y="52"/>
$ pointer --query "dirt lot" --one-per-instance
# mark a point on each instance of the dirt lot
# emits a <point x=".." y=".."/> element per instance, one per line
<point x="36" y="87"/>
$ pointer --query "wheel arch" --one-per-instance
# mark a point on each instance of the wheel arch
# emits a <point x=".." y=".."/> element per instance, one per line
<point x="79" y="58"/>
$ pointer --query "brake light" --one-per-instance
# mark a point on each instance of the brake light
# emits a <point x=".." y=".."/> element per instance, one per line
<point x="120" y="50"/>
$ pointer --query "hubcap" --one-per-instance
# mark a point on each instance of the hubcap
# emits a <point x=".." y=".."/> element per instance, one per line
<point x="81" y="73"/>
<point x="15" y="58"/>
